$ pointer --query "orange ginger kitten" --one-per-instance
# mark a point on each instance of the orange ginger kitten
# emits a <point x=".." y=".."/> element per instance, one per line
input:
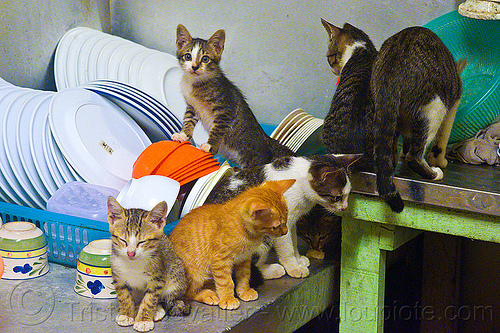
<point x="215" y="239"/>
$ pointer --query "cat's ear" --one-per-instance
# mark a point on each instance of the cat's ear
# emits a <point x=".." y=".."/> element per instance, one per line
<point x="260" y="210"/>
<point x="183" y="36"/>
<point x="158" y="215"/>
<point x="216" y="41"/>
<point x="280" y="186"/>
<point x="332" y="30"/>
<point x="346" y="160"/>
<point x="115" y="210"/>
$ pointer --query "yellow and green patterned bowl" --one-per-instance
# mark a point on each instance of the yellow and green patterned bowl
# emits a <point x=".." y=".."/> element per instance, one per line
<point x="93" y="271"/>
<point x="24" y="250"/>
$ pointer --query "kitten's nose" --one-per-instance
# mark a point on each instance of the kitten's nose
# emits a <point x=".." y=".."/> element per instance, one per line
<point x="195" y="67"/>
<point x="131" y="254"/>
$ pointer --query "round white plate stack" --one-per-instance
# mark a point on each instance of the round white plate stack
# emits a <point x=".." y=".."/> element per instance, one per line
<point x="300" y="132"/>
<point x="84" y="55"/>
<point x="49" y="139"/>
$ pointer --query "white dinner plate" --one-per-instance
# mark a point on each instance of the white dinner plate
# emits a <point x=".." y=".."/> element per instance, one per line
<point x="61" y="55"/>
<point x="100" y="141"/>
<point x="13" y="188"/>
<point x="23" y="144"/>
<point x="154" y="128"/>
<point x="47" y="154"/>
<point x="147" y="104"/>
<point x="37" y="128"/>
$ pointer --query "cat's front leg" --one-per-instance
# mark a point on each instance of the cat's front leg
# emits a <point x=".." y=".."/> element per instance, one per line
<point x="224" y="284"/>
<point x="188" y="124"/>
<point x="216" y="135"/>
<point x="144" y="321"/>
<point x="295" y="265"/>
<point x="242" y="273"/>
<point x="126" y="304"/>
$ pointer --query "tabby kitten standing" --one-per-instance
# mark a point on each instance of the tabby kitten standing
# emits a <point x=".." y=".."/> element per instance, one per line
<point x="320" y="179"/>
<point x="411" y="87"/>
<point x="143" y="263"/>
<point x="233" y="129"/>
<point x="348" y="125"/>
<point x="214" y="240"/>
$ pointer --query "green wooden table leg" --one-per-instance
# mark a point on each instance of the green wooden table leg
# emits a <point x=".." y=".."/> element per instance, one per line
<point x="362" y="276"/>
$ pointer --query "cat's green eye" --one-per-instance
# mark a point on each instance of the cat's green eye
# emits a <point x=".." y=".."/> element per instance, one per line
<point x="205" y="59"/>
<point x="187" y="56"/>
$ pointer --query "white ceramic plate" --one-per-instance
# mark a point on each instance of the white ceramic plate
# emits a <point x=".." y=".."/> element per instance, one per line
<point x="22" y="144"/>
<point x="145" y="103"/>
<point x="37" y="130"/>
<point x="171" y="85"/>
<point x="282" y="123"/>
<point x="225" y="169"/>
<point x="153" y="127"/>
<point x="194" y="193"/>
<point x="13" y="188"/>
<point x="47" y="154"/>
<point x="296" y="128"/>
<point x="126" y="63"/>
<point x="74" y="49"/>
<point x="82" y="64"/>
<point x="61" y="55"/>
<point x="100" y="141"/>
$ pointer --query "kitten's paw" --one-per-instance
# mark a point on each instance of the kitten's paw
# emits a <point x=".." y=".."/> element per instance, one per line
<point x="439" y="173"/>
<point x="160" y="313"/>
<point x="205" y="147"/>
<point x="316" y="254"/>
<point x="180" y="137"/>
<point x="207" y="296"/>
<point x="124" y="320"/>
<point x="273" y="271"/>
<point x="248" y="295"/>
<point x="144" y="326"/>
<point x="304" y="261"/>
<point x="229" y="303"/>
<point x="296" y="270"/>
<point x="180" y="308"/>
<point x="439" y="161"/>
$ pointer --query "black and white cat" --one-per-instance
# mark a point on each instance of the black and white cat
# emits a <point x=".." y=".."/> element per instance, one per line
<point x="220" y="106"/>
<point x="320" y="179"/>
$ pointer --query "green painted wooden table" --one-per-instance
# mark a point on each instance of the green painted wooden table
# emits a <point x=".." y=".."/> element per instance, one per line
<point x="465" y="203"/>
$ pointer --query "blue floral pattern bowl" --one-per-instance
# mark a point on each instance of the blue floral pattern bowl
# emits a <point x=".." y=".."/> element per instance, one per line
<point x="93" y="271"/>
<point x="24" y="251"/>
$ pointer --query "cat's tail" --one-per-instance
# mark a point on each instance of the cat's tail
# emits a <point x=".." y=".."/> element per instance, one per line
<point x="386" y="117"/>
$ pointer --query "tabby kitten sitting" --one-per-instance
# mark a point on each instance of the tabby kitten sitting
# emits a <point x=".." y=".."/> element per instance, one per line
<point x="143" y="262"/>
<point x="233" y="129"/>
<point x="320" y="179"/>
<point x="214" y="240"/>
<point x="411" y="87"/>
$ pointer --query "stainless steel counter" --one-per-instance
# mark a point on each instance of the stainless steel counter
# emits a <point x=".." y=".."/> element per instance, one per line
<point x="472" y="188"/>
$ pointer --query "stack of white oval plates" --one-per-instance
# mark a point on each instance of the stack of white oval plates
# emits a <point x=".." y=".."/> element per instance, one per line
<point x="300" y="132"/>
<point x="49" y="139"/>
<point x="84" y="55"/>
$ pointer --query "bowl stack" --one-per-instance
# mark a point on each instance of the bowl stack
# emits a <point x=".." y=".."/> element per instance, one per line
<point x="176" y="160"/>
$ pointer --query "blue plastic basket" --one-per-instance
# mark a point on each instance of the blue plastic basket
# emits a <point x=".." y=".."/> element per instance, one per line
<point x="66" y="235"/>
